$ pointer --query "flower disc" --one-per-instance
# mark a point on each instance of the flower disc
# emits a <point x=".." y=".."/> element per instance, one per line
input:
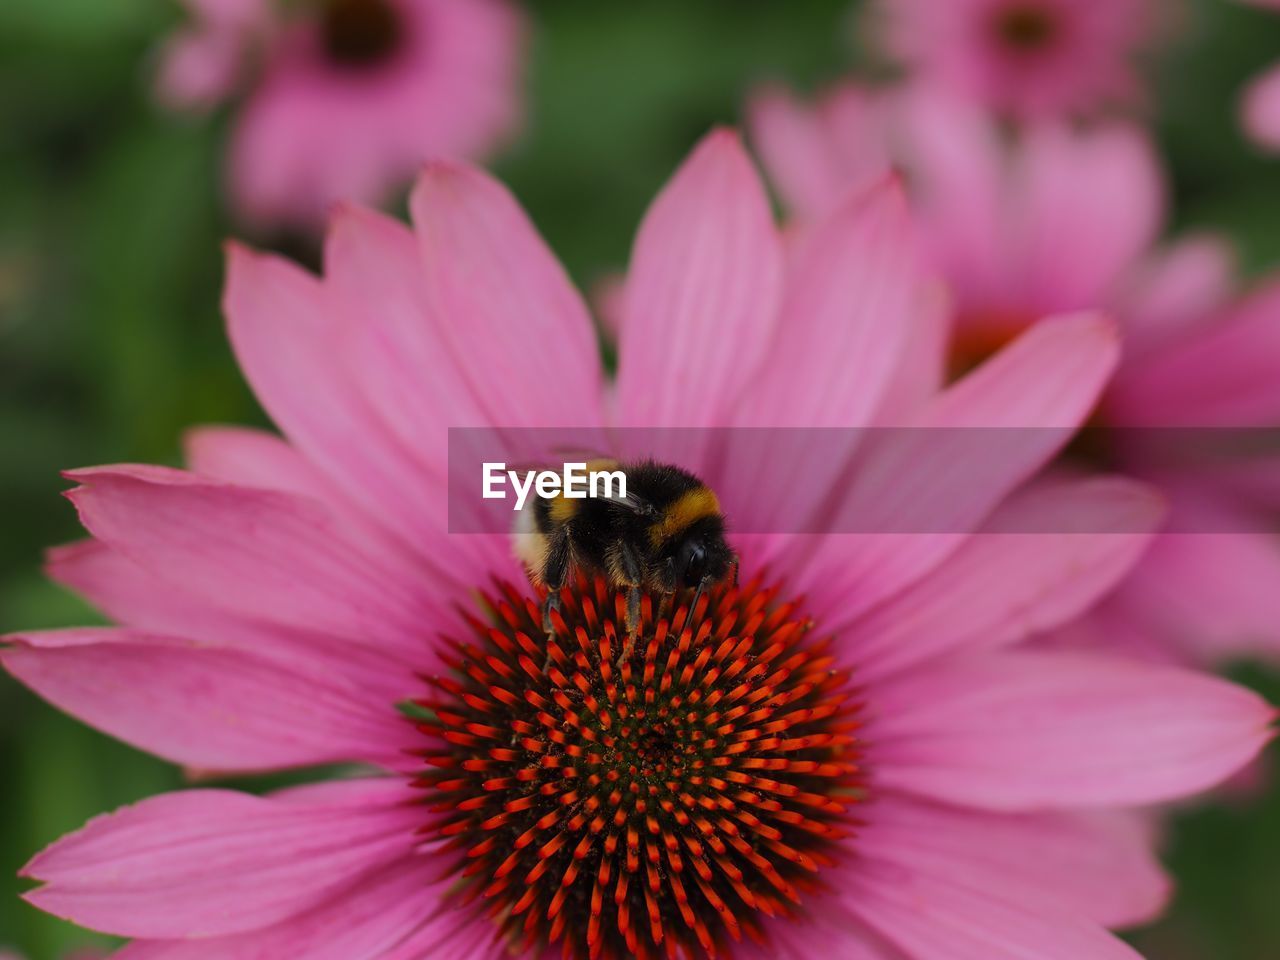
<point x="656" y="806"/>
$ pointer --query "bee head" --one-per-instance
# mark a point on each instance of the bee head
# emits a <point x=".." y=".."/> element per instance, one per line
<point x="703" y="554"/>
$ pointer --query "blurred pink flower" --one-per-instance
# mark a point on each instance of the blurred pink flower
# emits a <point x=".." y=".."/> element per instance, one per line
<point x="282" y="598"/>
<point x="1261" y="109"/>
<point x="346" y="99"/>
<point x="204" y="60"/>
<point x="1027" y="57"/>
<point x="1260" y="106"/>
<point x="1063" y="219"/>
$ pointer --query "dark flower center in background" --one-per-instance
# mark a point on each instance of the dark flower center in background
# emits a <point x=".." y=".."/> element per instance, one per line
<point x="979" y="336"/>
<point x="1026" y="27"/>
<point x="360" y="33"/>
<point x="649" y="808"/>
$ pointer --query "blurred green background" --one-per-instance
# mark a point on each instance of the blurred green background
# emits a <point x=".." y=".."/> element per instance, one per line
<point x="111" y="343"/>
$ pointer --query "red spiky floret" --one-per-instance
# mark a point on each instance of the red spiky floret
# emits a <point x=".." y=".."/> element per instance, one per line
<point x="654" y="807"/>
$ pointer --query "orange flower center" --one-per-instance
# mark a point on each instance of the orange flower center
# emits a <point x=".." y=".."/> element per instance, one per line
<point x="652" y="807"/>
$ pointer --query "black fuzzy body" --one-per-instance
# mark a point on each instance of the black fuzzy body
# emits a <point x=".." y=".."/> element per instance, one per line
<point x="640" y="542"/>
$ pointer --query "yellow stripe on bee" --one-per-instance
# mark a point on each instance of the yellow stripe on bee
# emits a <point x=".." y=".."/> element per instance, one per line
<point x="687" y="510"/>
<point x="562" y="509"/>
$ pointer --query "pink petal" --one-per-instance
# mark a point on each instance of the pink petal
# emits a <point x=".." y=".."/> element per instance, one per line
<point x="289" y="340"/>
<point x="513" y="323"/>
<point x="199" y="67"/>
<point x="467" y="940"/>
<point x="127" y="593"/>
<point x="817" y="155"/>
<point x="793" y="149"/>
<point x="1212" y="594"/>
<point x="266" y="554"/>
<point x="608" y="295"/>
<point x="958" y="171"/>
<point x="1250" y="482"/>
<point x="706" y="271"/>
<point x="371" y="918"/>
<point x="204" y="707"/>
<point x="955" y="462"/>
<point x="932" y="919"/>
<point x="1176" y="291"/>
<point x="204" y="863"/>
<point x="1261" y="109"/>
<point x="1224" y="375"/>
<point x="1096" y="865"/>
<point x="826" y="921"/>
<point x="1010" y="731"/>
<point x="372" y="258"/>
<point x="284" y="166"/>
<point x="253" y="458"/>
<point x="1023" y="572"/>
<point x="257" y="458"/>
<point x="922" y="365"/>
<point x="851" y="305"/>
<point x="1113" y="627"/>
<point x="1072" y="246"/>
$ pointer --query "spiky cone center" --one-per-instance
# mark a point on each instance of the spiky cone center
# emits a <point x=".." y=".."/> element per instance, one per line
<point x="658" y="806"/>
<point x="358" y="34"/>
<point x="1026" y="27"/>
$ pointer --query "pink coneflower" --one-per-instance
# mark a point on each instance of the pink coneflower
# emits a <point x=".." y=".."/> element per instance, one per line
<point x="345" y="99"/>
<point x="1059" y="219"/>
<point x="879" y="770"/>
<point x="1028" y="57"/>
<point x="1261" y="109"/>
<point x="1260" y="106"/>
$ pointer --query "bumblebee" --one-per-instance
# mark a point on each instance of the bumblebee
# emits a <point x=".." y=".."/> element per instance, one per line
<point x="665" y="534"/>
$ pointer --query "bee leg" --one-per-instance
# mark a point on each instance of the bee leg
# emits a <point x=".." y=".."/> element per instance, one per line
<point x="629" y="567"/>
<point x="735" y="573"/>
<point x="697" y="595"/>
<point x="555" y="571"/>
<point x="670" y="590"/>
<point x="552" y="602"/>
<point x="633" y="621"/>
